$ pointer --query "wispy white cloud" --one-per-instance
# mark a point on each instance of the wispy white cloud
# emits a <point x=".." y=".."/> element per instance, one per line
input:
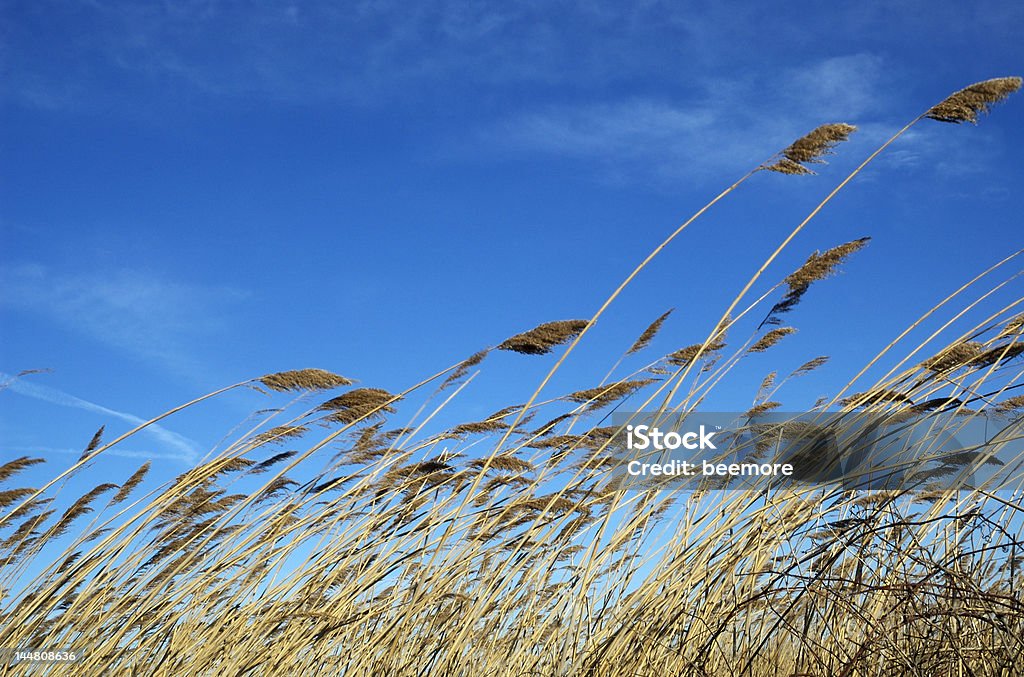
<point x="726" y="124"/>
<point x="842" y="87"/>
<point x="183" y="459"/>
<point x="173" y="446"/>
<point x="148" y="316"/>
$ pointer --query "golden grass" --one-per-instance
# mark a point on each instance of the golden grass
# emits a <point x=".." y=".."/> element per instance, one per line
<point x="494" y="547"/>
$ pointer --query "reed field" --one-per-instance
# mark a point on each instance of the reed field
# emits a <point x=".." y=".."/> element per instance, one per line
<point x="349" y="530"/>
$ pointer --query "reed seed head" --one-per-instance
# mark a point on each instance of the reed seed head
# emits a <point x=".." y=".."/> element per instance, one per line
<point x="478" y="427"/>
<point x="648" y="334"/>
<point x="17" y="465"/>
<point x="953" y="357"/>
<point x="132" y="482"/>
<point x="463" y="368"/>
<point x="604" y="395"/>
<point x="358" y="404"/>
<point x="821" y="265"/>
<point x="965" y="105"/>
<point x="810" y="365"/>
<point x="95" y="442"/>
<point x="279" y="434"/>
<point x="541" y="339"/>
<point x="770" y="339"/>
<point x="304" y="379"/>
<point x="684" y="356"/>
<point x="1011" y="404"/>
<point x="878" y="396"/>
<point x="811" y="148"/>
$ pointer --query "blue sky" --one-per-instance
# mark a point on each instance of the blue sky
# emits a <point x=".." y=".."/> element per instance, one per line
<point x="195" y="193"/>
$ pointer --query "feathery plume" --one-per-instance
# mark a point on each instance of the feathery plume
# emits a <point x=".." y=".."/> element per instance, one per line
<point x="762" y="408"/>
<point x="766" y="385"/>
<point x="502" y="462"/>
<point x="17" y="465"/>
<point x="464" y="367"/>
<point x="279" y="434"/>
<point x="13" y="495"/>
<point x="648" y="334"/>
<point x="304" y="379"/>
<point x="263" y="466"/>
<point x="478" y="427"/>
<point x="811" y="148"/>
<point x="997" y="354"/>
<point x="957" y="355"/>
<point x="875" y="397"/>
<point x="94" y="443"/>
<point x="604" y="395"/>
<point x="131" y="483"/>
<point x="810" y="365"/>
<point x="965" y="105"/>
<point x="685" y="356"/>
<point x="818" y="266"/>
<point x="1011" y="404"/>
<point x="80" y="507"/>
<point x="541" y="339"/>
<point x="359" y="404"/>
<point x="770" y="339"/>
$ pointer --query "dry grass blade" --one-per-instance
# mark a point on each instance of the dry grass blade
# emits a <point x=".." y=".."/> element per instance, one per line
<point x="811" y="148"/>
<point x="648" y="334"/>
<point x="969" y="102"/>
<point x="541" y="339"/>
<point x="304" y="379"/>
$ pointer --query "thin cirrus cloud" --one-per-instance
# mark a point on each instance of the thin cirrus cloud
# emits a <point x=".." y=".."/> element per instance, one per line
<point x="140" y="313"/>
<point x="711" y="130"/>
<point x="716" y="131"/>
<point x="172" y="445"/>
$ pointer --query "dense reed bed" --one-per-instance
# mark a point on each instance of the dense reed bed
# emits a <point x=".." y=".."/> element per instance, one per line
<point x="347" y="530"/>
